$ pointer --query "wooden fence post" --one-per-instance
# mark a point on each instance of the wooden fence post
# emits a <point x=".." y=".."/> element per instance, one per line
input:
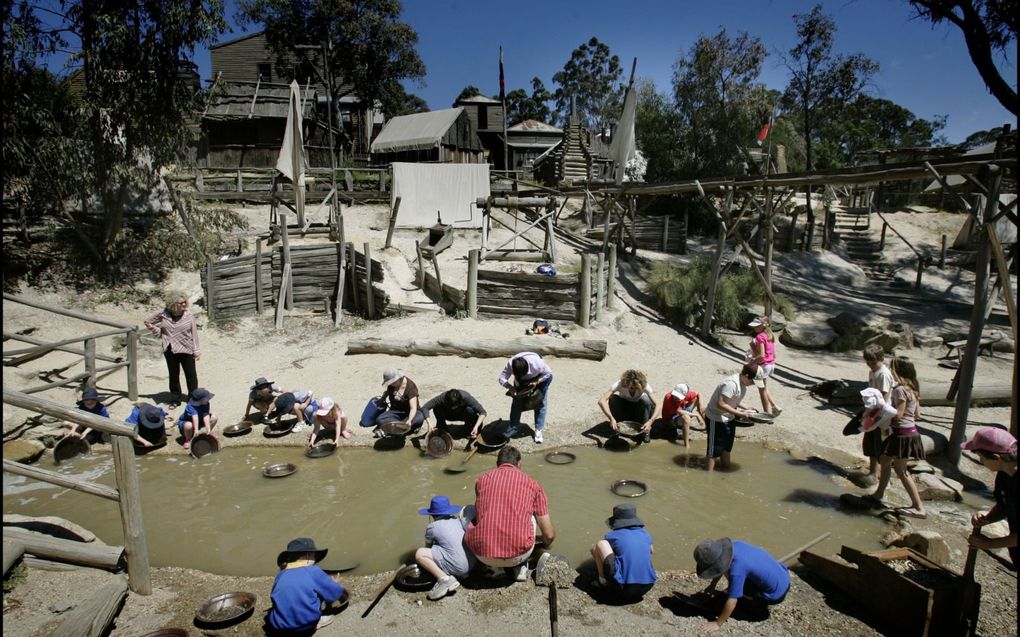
<point x="665" y="233"/>
<point x="286" y="260"/>
<point x="90" y="361"/>
<point x="920" y="271"/>
<point x="881" y="241"/>
<point x="611" y="278"/>
<point x="550" y="233"/>
<point x="584" y="311"/>
<point x="942" y="255"/>
<point x="439" y="278"/>
<point x="392" y="225"/>
<point x="258" y="276"/>
<point x="600" y="286"/>
<point x="472" y="284"/>
<point x="210" y="289"/>
<point x="130" y="503"/>
<point x="421" y="265"/>
<point x="341" y="284"/>
<point x="352" y="266"/>
<point x="720" y="247"/>
<point x="132" y="367"/>
<point x="284" y="298"/>
<point x="369" y="298"/>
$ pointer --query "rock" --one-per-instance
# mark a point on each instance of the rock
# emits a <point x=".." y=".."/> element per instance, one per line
<point x="60" y="607"/>
<point x="1004" y="342"/>
<point x="855" y="331"/>
<point x="928" y="543"/>
<point x="928" y="337"/>
<point x="50" y="525"/>
<point x="932" y="488"/>
<point x="847" y="323"/>
<point x="807" y="336"/>
<point x="24" y="451"/>
<point x="934" y="442"/>
<point x="888" y="339"/>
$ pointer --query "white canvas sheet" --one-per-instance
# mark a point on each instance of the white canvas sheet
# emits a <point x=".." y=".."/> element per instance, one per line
<point x="449" y="188"/>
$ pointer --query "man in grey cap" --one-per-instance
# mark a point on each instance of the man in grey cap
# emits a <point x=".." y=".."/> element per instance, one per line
<point x="751" y="572"/>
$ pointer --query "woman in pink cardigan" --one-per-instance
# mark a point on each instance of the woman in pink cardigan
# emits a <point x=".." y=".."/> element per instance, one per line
<point x="178" y="330"/>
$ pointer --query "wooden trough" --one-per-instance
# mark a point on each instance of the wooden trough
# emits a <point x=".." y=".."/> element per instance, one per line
<point x="438" y="238"/>
<point x="910" y="592"/>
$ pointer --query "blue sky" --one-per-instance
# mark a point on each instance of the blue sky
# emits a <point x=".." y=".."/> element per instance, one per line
<point x="924" y="69"/>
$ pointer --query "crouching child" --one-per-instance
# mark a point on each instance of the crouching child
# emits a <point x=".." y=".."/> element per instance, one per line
<point x="752" y="574"/>
<point x="300" y="589"/>
<point x="624" y="558"/>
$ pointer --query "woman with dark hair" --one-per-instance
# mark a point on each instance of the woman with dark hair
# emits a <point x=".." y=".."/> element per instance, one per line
<point x="905" y="441"/>
<point x="178" y="332"/>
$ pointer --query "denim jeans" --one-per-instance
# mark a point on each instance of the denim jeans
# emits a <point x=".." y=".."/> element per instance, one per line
<point x="515" y="408"/>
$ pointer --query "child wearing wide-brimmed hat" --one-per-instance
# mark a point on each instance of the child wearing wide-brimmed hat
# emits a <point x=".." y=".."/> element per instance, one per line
<point x="751" y="572"/>
<point x="444" y="555"/>
<point x="151" y="421"/>
<point x="197" y="417"/>
<point x="997" y="450"/>
<point x="300" y="589"/>
<point x="624" y="558"/>
<point x="296" y="402"/>
<point x="261" y="395"/>
<point x="92" y="403"/>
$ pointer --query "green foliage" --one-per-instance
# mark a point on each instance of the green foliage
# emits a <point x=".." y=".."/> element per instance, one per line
<point x="591" y="79"/>
<point x="15" y="577"/>
<point x="370" y="49"/>
<point x="520" y="106"/>
<point x="681" y="290"/>
<point x="468" y="91"/>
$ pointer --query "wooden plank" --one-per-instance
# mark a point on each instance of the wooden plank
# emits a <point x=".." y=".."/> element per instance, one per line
<point x="29" y="353"/>
<point x="561" y="280"/>
<point x="72" y="414"/>
<point x="341" y="280"/>
<point x="502" y="313"/>
<point x="370" y="297"/>
<point x="130" y="503"/>
<point x="14" y="298"/>
<point x="283" y="301"/>
<point x="92" y="554"/>
<point x="13" y="550"/>
<point x="584" y="311"/>
<point x="94" y="617"/>
<point x="600" y="286"/>
<point x="392" y="224"/>
<point x="479" y="348"/>
<point x="131" y="349"/>
<point x="59" y="479"/>
<point x="472" y="284"/>
<point x="71" y="349"/>
<point x="258" y="276"/>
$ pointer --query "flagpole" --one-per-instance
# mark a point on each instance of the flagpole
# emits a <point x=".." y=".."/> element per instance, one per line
<point x="502" y="100"/>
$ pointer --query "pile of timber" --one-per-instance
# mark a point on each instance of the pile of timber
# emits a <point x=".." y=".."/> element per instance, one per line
<point x="525" y="294"/>
<point x="662" y="233"/>
<point x="449" y="297"/>
<point x="234" y="285"/>
<point x="315" y="274"/>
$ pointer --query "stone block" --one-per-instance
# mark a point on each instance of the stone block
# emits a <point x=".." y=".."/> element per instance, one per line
<point x="928" y="543"/>
<point x="807" y="335"/>
<point x="23" y="451"/>
<point x="931" y="487"/>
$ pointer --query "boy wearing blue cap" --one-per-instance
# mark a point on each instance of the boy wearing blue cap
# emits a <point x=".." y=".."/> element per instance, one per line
<point x="624" y="558"/>
<point x="300" y="589"/>
<point x="445" y="555"/>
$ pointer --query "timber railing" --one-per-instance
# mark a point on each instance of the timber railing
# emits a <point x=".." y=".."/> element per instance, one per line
<point x="127" y="493"/>
<point x="84" y="346"/>
<point x="922" y="260"/>
<point x="262" y="183"/>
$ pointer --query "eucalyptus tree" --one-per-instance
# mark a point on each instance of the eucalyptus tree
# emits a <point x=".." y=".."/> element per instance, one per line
<point x="590" y="83"/>
<point x="520" y="106"/>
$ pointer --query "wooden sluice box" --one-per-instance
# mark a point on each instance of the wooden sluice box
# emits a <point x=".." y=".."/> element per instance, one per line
<point x="910" y="592"/>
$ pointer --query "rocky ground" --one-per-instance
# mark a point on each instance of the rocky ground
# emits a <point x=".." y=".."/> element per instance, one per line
<point x="309" y="352"/>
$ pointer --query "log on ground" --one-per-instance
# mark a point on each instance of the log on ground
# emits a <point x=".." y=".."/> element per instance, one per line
<point x="91" y="554"/>
<point x="93" y="618"/>
<point x="480" y="348"/>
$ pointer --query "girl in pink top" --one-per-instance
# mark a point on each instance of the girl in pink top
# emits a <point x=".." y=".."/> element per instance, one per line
<point x="763" y="353"/>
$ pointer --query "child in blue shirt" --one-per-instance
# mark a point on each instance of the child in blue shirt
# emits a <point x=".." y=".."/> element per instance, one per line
<point x="151" y="424"/>
<point x="300" y="589"/>
<point x="624" y="558"/>
<point x="197" y="416"/>
<point x="90" y="402"/>
<point x="751" y="572"/>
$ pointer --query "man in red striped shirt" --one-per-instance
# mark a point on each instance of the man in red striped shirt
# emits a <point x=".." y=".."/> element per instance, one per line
<point x="509" y="506"/>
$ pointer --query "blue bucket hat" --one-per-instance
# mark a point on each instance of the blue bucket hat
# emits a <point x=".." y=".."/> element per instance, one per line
<point x="150" y="416"/>
<point x="200" y="396"/>
<point x="90" y="393"/>
<point x="440" y="505"/>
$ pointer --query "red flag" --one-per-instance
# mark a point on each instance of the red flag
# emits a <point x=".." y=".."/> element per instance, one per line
<point x="764" y="133"/>
<point x="502" y="87"/>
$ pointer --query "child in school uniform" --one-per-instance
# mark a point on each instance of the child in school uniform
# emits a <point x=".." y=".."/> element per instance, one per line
<point x="261" y="396"/>
<point x="300" y="589"/>
<point x="92" y="403"/>
<point x="197" y="416"/>
<point x="623" y="559"/>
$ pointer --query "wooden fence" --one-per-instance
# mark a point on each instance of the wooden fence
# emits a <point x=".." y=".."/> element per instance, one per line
<point x="664" y="233"/>
<point x="85" y="346"/>
<point x="127" y="493"/>
<point x="241" y="289"/>
<point x="262" y="183"/>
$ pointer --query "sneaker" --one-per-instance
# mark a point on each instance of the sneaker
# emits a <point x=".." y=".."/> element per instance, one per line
<point x="538" y="437"/>
<point x="522" y="573"/>
<point x="298" y="428"/>
<point x="378" y="433"/>
<point x="444" y="586"/>
<point x="324" y="621"/>
<point x="776" y="410"/>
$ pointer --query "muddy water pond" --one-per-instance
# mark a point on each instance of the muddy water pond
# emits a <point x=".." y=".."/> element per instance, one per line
<point x="221" y="515"/>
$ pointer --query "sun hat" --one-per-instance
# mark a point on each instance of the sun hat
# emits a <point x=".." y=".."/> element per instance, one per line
<point x="150" y="416"/>
<point x="391" y="376"/>
<point x="325" y="406"/>
<point x="624" y="515"/>
<point x="993" y="440"/>
<point x="285" y="402"/>
<point x="713" y="557"/>
<point x="440" y="505"/>
<point x="90" y="393"/>
<point x="200" y="397"/>
<point x="298" y="546"/>
<point x="756" y="322"/>
<point x="680" y="391"/>
<point x="261" y="382"/>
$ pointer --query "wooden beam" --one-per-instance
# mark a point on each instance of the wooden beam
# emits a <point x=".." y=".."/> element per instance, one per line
<point x="59" y="479"/>
<point x="369" y="296"/>
<point x="70" y="349"/>
<point x="258" y="276"/>
<point x="62" y="412"/>
<point x="283" y="299"/>
<point x="289" y="295"/>
<point x="13" y="550"/>
<point x="135" y="545"/>
<point x="92" y="554"/>
<point x="393" y="224"/>
<point x="132" y="365"/>
<point x="479" y="348"/>
<point x="94" y="617"/>
<point x="341" y="284"/>
<point x="611" y="279"/>
<point x="584" y="311"/>
<point x="472" y="284"/>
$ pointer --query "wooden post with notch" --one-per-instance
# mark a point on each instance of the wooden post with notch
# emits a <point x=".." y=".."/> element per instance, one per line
<point x="393" y="224"/>
<point x="90" y="361"/>
<point x="130" y="503"/>
<point x="132" y="364"/>
<point x="472" y="284"/>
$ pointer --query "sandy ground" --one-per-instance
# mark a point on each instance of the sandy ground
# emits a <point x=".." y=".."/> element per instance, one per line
<point x="309" y="353"/>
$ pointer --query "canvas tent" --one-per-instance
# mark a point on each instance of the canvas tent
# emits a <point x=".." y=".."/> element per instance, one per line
<point x="446" y="136"/>
<point x="450" y="189"/>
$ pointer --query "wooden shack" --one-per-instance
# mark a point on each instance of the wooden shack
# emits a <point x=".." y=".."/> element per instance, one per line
<point x="445" y="136"/>
<point x="529" y="139"/>
<point x="487" y="115"/>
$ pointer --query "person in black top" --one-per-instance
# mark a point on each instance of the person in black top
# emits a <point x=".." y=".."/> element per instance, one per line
<point x="456" y="405"/>
<point x="997" y="450"/>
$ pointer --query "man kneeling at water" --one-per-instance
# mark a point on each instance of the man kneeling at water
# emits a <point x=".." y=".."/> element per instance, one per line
<point x="751" y="572"/>
<point x="509" y="505"/>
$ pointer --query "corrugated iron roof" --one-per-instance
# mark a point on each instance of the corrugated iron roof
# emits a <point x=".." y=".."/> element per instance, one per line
<point x="234" y="101"/>
<point x="534" y="126"/>
<point x="239" y="38"/>
<point x="418" y="131"/>
<point x="478" y="99"/>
